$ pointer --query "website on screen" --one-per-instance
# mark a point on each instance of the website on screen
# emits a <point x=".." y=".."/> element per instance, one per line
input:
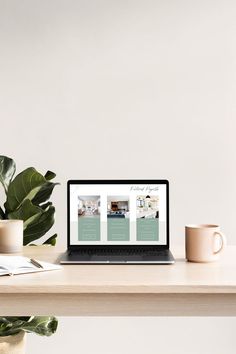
<point x="122" y="214"/>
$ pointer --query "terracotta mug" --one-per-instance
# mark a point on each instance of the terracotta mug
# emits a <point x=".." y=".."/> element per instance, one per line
<point x="203" y="243"/>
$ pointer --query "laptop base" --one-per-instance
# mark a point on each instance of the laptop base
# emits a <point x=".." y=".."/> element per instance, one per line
<point x="76" y="257"/>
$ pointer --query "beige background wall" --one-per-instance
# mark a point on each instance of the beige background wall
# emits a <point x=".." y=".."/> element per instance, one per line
<point x="126" y="89"/>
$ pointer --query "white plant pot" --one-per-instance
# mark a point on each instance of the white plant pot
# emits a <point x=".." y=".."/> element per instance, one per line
<point x="13" y="344"/>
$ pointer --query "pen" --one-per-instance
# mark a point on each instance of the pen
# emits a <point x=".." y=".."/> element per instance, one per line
<point x="35" y="263"/>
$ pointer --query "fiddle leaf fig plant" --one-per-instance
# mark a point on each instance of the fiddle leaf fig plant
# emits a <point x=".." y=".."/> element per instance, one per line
<point x="27" y="199"/>
<point x="41" y="325"/>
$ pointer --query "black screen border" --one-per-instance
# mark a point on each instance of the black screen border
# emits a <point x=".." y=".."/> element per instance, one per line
<point x="123" y="181"/>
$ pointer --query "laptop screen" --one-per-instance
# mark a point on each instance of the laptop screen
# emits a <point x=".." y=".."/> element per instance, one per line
<point x="118" y="214"/>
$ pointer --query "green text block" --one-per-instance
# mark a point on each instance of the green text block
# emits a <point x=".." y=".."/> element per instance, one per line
<point x="147" y="229"/>
<point x="89" y="228"/>
<point x="117" y="229"/>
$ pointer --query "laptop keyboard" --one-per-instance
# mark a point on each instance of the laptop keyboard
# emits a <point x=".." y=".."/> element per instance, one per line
<point x="121" y="252"/>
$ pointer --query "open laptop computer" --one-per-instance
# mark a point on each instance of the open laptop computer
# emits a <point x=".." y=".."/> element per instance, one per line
<point x="118" y="222"/>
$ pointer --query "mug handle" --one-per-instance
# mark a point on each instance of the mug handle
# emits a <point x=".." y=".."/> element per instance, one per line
<point x="223" y="241"/>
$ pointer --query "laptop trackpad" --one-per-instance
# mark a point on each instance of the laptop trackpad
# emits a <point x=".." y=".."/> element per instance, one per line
<point x="116" y="259"/>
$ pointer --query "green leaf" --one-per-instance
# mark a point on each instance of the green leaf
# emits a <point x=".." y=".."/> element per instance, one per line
<point x="7" y="170"/>
<point x="11" y="325"/>
<point x="49" y="175"/>
<point x="27" y="212"/>
<point x="39" y="227"/>
<point x="24" y="186"/>
<point x="44" y="193"/>
<point x="2" y="214"/>
<point x="45" y="206"/>
<point x="51" y="240"/>
<point x="42" y="325"/>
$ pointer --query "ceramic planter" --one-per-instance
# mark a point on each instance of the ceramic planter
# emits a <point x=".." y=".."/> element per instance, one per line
<point x="13" y="344"/>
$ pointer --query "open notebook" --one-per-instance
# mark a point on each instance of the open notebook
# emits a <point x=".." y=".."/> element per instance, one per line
<point x="11" y="265"/>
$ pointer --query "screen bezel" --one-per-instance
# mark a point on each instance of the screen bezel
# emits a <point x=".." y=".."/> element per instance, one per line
<point x="112" y="247"/>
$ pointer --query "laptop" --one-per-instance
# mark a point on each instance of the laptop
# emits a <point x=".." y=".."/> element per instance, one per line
<point x="118" y="222"/>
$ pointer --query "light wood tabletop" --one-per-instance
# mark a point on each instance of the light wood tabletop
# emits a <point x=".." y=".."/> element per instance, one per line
<point x="182" y="289"/>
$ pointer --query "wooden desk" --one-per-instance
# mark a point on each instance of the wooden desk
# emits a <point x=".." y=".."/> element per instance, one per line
<point x="183" y="289"/>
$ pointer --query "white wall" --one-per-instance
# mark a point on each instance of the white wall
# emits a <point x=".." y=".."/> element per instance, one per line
<point x="125" y="89"/>
<point x="139" y="336"/>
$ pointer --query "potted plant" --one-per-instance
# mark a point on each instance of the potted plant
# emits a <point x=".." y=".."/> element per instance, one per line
<point x="13" y="330"/>
<point x="27" y="198"/>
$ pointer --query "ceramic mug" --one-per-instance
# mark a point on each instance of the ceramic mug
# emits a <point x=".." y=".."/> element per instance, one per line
<point x="11" y="236"/>
<point x="203" y="243"/>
